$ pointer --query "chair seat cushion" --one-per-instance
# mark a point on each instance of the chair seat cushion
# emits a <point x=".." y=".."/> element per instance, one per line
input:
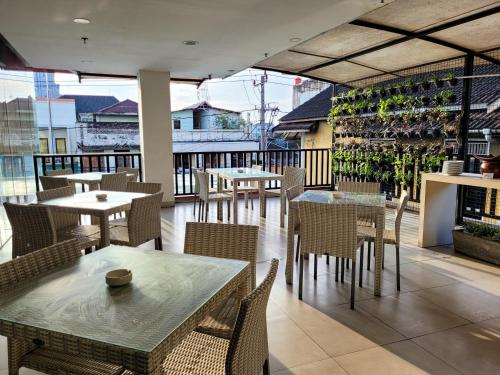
<point x="370" y="233"/>
<point x="197" y="354"/>
<point x="221" y="321"/>
<point x="54" y="362"/>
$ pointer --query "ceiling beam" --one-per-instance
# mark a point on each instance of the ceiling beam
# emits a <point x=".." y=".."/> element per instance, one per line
<point x="410" y="35"/>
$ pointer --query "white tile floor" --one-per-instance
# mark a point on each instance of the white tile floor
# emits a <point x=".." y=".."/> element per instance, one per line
<point x="446" y="319"/>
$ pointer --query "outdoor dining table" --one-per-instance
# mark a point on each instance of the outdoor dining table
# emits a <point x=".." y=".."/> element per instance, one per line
<point x="73" y="310"/>
<point x="93" y="179"/>
<point x="369" y="206"/>
<point x="87" y="204"/>
<point x="237" y="175"/>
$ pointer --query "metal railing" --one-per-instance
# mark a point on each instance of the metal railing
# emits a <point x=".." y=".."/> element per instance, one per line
<point x="317" y="163"/>
<point x="80" y="163"/>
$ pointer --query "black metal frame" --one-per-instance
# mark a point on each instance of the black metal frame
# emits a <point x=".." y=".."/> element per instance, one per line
<point x="103" y="161"/>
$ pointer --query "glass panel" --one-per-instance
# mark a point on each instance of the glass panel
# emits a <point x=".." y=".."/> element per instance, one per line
<point x="331" y="197"/>
<point x="44" y="145"/>
<point x="60" y="145"/>
<point x="17" y="142"/>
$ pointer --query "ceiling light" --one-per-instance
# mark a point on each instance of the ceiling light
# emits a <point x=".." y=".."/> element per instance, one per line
<point x="190" y="42"/>
<point x="81" y="20"/>
<point x="295" y="40"/>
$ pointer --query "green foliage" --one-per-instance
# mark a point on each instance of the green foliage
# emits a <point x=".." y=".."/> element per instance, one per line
<point x="482" y="230"/>
<point x="226" y="121"/>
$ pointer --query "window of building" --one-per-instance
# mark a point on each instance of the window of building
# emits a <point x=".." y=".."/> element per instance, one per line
<point x="44" y="145"/>
<point x="60" y="145"/>
<point x="177" y="124"/>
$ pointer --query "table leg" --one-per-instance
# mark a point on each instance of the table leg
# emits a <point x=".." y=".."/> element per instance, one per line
<point x="235" y="202"/>
<point x="104" y="225"/>
<point x="220" y="187"/>
<point x="379" y="252"/>
<point x="282" y="206"/>
<point x="262" y="198"/>
<point x="289" y="245"/>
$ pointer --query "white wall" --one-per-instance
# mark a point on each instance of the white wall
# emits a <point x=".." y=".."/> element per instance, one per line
<point x="215" y="146"/>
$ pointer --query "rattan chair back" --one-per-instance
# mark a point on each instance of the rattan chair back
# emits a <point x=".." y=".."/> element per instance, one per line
<point x="53" y="182"/>
<point x="61" y="219"/>
<point x="144" y="219"/>
<point x="37" y="262"/>
<point x="248" y="347"/>
<point x="144" y="187"/>
<point x="58" y="172"/>
<point x="359" y="187"/>
<point x="232" y="241"/>
<point x="114" y="182"/>
<point x="129" y="170"/>
<point x="403" y="201"/>
<point x="294" y="176"/>
<point x="328" y="229"/>
<point x="32" y="228"/>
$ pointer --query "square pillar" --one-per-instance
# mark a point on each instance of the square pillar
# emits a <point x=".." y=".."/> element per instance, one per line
<point x="155" y="126"/>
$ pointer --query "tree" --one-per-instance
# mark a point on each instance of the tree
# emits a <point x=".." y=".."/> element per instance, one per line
<point x="227" y="121"/>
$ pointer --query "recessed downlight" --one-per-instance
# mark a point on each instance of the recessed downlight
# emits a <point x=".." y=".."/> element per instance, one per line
<point x="295" y="39"/>
<point x="231" y="70"/>
<point x="190" y="42"/>
<point x="81" y="20"/>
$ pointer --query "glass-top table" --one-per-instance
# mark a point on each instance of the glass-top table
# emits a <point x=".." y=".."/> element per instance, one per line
<point x="93" y="179"/>
<point x="236" y="175"/>
<point x="135" y="325"/>
<point x="369" y="206"/>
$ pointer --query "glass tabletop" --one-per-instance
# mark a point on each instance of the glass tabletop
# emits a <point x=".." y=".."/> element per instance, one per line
<point x="166" y="289"/>
<point x="242" y="173"/>
<point x="87" y="176"/>
<point x="334" y="197"/>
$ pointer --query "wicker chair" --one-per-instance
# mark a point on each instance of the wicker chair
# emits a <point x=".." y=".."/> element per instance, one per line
<point x="32" y="228"/>
<point x="143" y="187"/>
<point x="143" y="223"/>
<point x="391" y="236"/>
<point x="223" y="241"/>
<point x="206" y="196"/>
<point x="58" y="172"/>
<point x="66" y="224"/>
<point x="293" y="176"/>
<point x="329" y="229"/>
<point x="246" y="353"/>
<point x="292" y="193"/>
<point x="24" y="353"/>
<point x="128" y="170"/>
<point x="53" y="182"/>
<point x="359" y="187"/>
<point x="114" y="182"/>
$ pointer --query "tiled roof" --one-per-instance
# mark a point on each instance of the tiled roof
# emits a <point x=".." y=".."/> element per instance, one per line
<point x="125" y="106"/>
<point x="482" y="120"/>
<point x="317" y="107"/>
<point x="204" y="105"/>
<point x="91" y="103"/>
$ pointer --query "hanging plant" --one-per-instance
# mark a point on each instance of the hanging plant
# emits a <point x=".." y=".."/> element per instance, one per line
<point x="382" y="92"/>
<point x="422" y="116"/>
<point x="393" y="90"/>
<point x="438" y="82"/>
<point x="424" y="100"/>
<point x="451" y="79"/>
<point x="372" y="107"/>
<point x="448" y="96"/>
<point x="438" y="100"/>
<point x="425" y="85"/>
<point x="369" y="92"/>
<point x="412" y="86"/>
<point x="401" y="88"/>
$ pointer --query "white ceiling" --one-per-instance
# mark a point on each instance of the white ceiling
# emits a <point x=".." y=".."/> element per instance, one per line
<point x="128" y="35"/>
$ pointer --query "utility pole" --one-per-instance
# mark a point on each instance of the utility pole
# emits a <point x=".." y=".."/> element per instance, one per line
<point x="262" y="110"/>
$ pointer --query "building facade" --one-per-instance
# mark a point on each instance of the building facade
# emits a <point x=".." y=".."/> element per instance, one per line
<point x="45" y="85"/>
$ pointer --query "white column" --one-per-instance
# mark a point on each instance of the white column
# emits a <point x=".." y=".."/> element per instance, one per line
<point x="155" y="125"/>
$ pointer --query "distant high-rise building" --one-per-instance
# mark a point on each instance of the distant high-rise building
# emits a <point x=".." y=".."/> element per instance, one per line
<point x="45" y="85"/>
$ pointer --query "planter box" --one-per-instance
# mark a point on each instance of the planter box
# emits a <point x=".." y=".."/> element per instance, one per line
<point x="476" y="247"/>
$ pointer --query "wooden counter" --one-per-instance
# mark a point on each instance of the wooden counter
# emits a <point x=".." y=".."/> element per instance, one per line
<point x="438" y="205"/>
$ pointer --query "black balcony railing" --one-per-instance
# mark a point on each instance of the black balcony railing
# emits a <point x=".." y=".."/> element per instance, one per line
<point x="317" y="163"/>
<point x="80" y="163"/>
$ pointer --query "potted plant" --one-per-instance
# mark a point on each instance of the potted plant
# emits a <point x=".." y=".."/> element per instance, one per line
<point x="372" y="107"/>
<point x="478" y="240"/>
<point x="402" y="88"/>
<point x="382" y="92"/>
<point x="448" y="96"/>
<point x="412" y="86"/>
<point x="393" y="90"/>
<point x="424" y="100"/>
<point x="425" y="85"/>
<point x="451" y="79"/>
<point x="438" y="100"/>
<point x="438" y="82"/>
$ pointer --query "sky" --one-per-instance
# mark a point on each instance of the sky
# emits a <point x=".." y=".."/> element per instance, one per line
<point x="235" y="93"/>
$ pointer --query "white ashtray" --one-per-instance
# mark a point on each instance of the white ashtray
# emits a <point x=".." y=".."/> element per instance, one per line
<point x="241" y="170"/>
<point x="118" y="277"/>
<point x="101" y="197"/>
<point x="338" y="194"/>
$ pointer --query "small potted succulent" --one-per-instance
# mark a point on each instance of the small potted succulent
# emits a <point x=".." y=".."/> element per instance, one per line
<point x="478" y="240"/>
<point x="393" y="90"/>
<point x="438" y="82"/>
<point x="402" y="88"/>
<point x="424" y="100"/>
<point x="425" y="85"/>
<point x="412" y="86"/>
<point x="451" y="79"/>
